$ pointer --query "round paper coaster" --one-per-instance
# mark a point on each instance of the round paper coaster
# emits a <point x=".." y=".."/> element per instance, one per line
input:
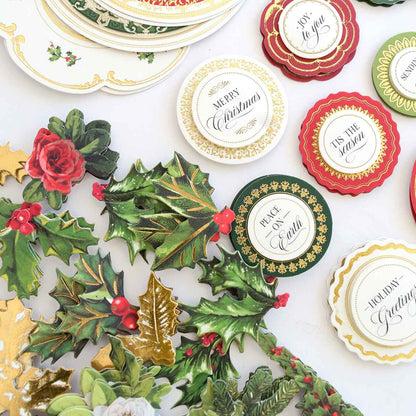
<point x="283" y="223"/>
<point x="349" y="143"/>
<point x="288" y="40"/>
<point x="394" y="73"/>
<point x="232" y="109"/>
<point x="373" y="299"/>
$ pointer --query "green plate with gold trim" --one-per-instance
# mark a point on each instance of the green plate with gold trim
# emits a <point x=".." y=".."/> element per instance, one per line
<point x="283" y="223"/>
<point x="394" y="73"/>
<point x="383" y="2"/>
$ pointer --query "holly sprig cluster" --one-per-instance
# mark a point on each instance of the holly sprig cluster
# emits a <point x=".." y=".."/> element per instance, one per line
<point x="23" y="226"/>
<point x="167" y="210"/>
<point x="56" y="53"/>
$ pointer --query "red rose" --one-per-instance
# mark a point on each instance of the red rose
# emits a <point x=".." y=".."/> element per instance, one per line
<point x="56" y="162"/>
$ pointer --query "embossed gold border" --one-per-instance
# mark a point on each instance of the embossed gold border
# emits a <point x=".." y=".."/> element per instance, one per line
<point x="318" y="245"/>
<point x="381" y="74"/>
<point x="336" y="296"/>
<point x="239" y="154"/>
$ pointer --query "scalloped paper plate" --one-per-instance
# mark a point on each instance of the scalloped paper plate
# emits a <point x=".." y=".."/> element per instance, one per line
<point x="373" y="302"/>
<point x="97" y="24"/>
<point x="75" y="64"/>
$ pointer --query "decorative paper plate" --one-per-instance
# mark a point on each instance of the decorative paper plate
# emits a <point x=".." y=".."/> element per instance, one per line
<point x="98" y="24"/>
<point x="285" y="28"/>
<point x="383" y="2"/>
<point x="373" y="301"/>
<point x="61" y="59"/>
<point x="394" y="73"/>
<point x="283" y="223"/>
<point x="349" y="143"/>
<point x="412" y="191"/>
<point x="169" y="12"/>
<point x="232" y="109"/>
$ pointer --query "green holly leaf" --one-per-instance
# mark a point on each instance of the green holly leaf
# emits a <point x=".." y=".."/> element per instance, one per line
<point x="20" y="262"/>
<point x="227" y="317"/>
<point x="185" y="196"/>
<point x="192" y="359"/>
<point x="67" y="290"/>
<point x="62" y="235"/>
<point x="96" y="275"/>
<point x="153" y="228"/>
<point x="186" y="245"/>
<point x="48" y="342"/>
<point x="89" y="320"/>
<point x="179" y="166"/>
<point x="232" y="272"/>
<point x="6" y="210"/>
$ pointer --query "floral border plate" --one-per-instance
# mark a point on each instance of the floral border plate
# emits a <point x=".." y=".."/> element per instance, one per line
<point x="60" y="58"/>
<point x="101" y="26"/>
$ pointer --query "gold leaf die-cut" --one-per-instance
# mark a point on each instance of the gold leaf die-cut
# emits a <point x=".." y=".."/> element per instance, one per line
<point x="158" y="319"/>
<point x="23" y="387"/>
<point x="12" y="163"/>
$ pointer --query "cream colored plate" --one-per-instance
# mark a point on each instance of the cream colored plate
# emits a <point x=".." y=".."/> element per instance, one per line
<point x="95" y="66"/>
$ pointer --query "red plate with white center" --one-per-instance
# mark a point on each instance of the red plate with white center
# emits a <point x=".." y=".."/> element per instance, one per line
<point x="350" y="143"/>
<point x="310" y="37"/>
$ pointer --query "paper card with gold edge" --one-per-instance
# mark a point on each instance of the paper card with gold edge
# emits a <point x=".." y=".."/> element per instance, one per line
<point x="283" y="223"/>
<point x="394" y="73"/>
<point x="285" y="33"/>
<point x="373" y="302"/>
<point x="170" y="12"/>
<point x="60" y="58"/>
<point x="98" y="24"/>
<point x="214" y="95"/>
<point x="349" y="143"/>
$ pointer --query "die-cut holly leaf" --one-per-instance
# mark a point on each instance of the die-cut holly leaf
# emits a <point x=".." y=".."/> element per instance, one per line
<point x="67" y="290"/>
<point x="231" y="272"/>
<point x="96" y="274"/>
<point x="24" y="387"/>
<point x="62" y="235"/>
<point x="158" y="319"/>
<point x="192" y="359"/>
<point x="12" y="163"/>
<point x="179" y="166"/>
<point x="20" y="262"/>
<point x="228" y="317"/>
<point x="185" y="196"/>
<point x="186" y="244"/>
<point x="241" y="309"/>
<point x="89" y="320"/>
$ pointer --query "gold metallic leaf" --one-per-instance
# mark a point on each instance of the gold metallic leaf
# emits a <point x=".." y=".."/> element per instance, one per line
<point x="158" y="319"/>
<point x="23" y="387"/>
<point x="12" y="163"/>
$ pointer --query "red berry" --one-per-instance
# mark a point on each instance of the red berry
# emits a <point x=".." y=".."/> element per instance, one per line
<point x="331" y="392"/>
<point x="68" y="58"/>
<point x="307" y="379"/>
<point x="225" y="228"/>
<point x="189" y="352"/>
<point x="335" y="414"/>
<point x="228" y="215"/>
<point x="35" y="209"/>
<point x="294" y="358"/>
<point x="277" y="305"/>
<point x="218" y="218"/>
<point x="74" y="57"/>
<point x="326" y="407"/>
<point x="315" y="396"/>
<point x="130" y="320"/>
<point x="27" y="228"/>
<point x="293" y="364"/>
<point x="120" y="306"/>
<point x="215" y="238"/>
<point x="212" y="367"/>
<point x="270" y="279"/>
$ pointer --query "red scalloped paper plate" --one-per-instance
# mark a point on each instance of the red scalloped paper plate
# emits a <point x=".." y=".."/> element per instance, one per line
<point x="413" y="192"/>
<point x="339" y="53"/>
<point x="349" y="143"/>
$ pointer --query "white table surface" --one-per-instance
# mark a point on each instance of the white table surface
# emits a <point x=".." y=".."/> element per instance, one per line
<point x="145" y="126"/>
